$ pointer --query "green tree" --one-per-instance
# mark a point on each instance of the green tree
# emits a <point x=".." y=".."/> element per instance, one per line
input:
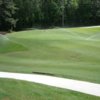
<point x="7" y="11"/>
<point x="46" y="13"/>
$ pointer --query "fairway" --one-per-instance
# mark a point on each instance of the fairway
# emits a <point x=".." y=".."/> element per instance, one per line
<point x="72" y="53"/>
<point x="49" y="50"/>
<point x="66" y="52"/>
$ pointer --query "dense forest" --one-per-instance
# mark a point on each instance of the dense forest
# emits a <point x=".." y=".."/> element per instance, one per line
<point x="21" y="14"/>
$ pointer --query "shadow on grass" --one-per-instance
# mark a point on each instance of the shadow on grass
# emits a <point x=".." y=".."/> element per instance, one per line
<point x="42" y="73"/>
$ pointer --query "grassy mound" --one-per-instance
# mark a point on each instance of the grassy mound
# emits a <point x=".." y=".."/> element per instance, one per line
<point x="6" y="45"/>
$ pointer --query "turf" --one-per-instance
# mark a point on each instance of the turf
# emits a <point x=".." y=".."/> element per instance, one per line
<point x="65" y="52"/>
<point x="20" y="90"/>
<point x="6" y="45"/>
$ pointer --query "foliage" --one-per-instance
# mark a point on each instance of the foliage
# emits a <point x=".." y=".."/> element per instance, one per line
<point x="45" y="13"/>
<point x="7" y="11"/>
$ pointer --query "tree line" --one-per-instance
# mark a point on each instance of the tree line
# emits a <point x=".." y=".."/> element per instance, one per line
<point x="21" y="14"/>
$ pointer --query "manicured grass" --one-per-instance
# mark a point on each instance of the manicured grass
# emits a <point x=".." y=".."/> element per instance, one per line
<point x="66" y="52"/>
<point x="20" y="90"/>
<point x="6" y="45"/>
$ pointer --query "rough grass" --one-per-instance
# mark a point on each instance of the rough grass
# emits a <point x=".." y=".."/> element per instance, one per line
<point x="66" y="52"/>
<point x="20" y="90"/>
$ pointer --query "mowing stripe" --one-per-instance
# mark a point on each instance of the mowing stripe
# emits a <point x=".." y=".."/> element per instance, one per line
<point x="93" y="36"/>
<point x="75" y="85"/>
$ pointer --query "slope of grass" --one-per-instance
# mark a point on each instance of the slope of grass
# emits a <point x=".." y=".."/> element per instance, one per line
<point x="6" y="45"/>
<point x="20" y="90"/>
<point x="66" y="52"/>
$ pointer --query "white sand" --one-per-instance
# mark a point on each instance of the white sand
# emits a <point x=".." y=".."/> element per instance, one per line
<point x="75" y="85"/>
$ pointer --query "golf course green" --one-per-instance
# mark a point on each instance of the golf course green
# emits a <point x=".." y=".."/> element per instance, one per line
<point x="65" y="52"/>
